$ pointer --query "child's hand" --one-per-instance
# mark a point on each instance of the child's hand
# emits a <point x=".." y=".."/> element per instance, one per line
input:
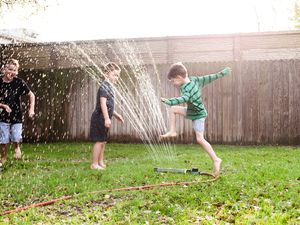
<point x="31" y="113"/>
<point x="163" y="100"/>
<point x="119" y="118"/>
<point x="107" y="123"/>
<point x="227" y="70"/>
<point x="7" y="108"/>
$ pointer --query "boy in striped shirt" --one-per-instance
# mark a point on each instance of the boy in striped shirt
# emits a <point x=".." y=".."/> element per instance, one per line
<point x="190" y="88"/>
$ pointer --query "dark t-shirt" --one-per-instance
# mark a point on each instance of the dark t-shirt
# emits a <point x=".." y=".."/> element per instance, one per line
<point x="105" y="91"/>
<point x="10" y="94"/>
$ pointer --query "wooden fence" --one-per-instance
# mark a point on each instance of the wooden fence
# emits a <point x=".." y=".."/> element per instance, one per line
<point x="257" y="104"/>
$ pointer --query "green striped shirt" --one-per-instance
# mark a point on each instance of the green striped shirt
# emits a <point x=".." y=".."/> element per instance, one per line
<point x="191" y="94"/>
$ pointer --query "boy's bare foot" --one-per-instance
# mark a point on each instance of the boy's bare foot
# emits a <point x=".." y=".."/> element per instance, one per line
<point x="217" y="166"/>
<point x="168" y="135"/>
<point x="17" y="154"/>
<point x="102" y="165"/>
<point x="3" y="161"/>
<point x="97" y="167"/>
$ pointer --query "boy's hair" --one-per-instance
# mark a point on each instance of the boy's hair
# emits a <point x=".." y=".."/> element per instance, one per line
<point x="177" y="69"/>
<point x="12" y="62"/>
<point x="111" y="66"/>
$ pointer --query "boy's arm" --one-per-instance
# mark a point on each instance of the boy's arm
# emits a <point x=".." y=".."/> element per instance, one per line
<point x="176" y="101"/>
<point x="204" y="80"/>
<point x="104" y="111"/>
<point x="31" y="103"/>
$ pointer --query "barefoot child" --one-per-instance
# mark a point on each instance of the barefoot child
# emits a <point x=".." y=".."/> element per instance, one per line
<point x="101" y="117"/>
<point x="11" y="90"/>
<point x="190" y="88"/>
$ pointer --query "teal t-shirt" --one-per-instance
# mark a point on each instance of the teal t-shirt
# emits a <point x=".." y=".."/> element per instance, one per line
<point x="191" y="94"/>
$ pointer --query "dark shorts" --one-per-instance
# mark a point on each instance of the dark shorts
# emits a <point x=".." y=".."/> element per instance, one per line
<point x="98" y="131"/>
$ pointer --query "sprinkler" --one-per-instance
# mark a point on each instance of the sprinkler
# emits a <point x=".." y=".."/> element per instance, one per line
<point x="194" y="171"/>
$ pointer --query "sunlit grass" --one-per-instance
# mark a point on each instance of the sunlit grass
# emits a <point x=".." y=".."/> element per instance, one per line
<point x="259" y="185"/>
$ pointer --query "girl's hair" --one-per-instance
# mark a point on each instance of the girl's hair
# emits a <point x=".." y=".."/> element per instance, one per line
<point x="111" y="66"/>
<point x="177" y="69"/>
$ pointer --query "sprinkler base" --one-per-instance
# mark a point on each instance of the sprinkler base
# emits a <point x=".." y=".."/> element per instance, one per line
<point x="174" y="170"/>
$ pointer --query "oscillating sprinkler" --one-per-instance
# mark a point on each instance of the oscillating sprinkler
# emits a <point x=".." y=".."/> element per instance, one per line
<point x="194" y="171"/>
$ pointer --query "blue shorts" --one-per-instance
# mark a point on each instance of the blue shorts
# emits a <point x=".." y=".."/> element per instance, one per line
<point x="10" y="132"/>
<point x="199" y="125"/>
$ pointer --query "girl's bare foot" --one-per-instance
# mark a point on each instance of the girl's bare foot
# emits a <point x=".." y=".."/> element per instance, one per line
<point x="170" y="134"/>
<point x="96" y="167"/>
<point x="217" y="166"/>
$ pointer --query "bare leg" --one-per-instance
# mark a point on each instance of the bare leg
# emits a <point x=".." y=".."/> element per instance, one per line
<point x="4" y="150"/>
<point x="18" y="153"/>
<point x="208" y="148"/>
<point x="173" y="111"/>
<point x="101" y="157"/>
<point x="96" y="154"/>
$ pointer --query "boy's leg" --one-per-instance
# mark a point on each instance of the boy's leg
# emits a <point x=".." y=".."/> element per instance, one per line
<point x="101" y="157"/>
<point x="16" y="138"/>
<point x="208" y="148"/>
<point x="4" y="150"/>
<point x="199" y="127"/>
<point x="96" y="154"/>
<point x="18" y="153"/>
<point x="175" y="110"/>
<point x="4" y="140"/>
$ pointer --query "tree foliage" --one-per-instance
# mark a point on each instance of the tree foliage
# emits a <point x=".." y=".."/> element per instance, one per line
<point x="36" y="5"/>
<point x="296" y="16"/>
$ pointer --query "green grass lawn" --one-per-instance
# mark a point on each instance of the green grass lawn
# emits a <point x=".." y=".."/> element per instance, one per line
<point x="258" y="185"/>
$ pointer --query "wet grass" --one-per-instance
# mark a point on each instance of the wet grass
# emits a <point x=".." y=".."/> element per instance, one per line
<point x="259" y="185"/>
